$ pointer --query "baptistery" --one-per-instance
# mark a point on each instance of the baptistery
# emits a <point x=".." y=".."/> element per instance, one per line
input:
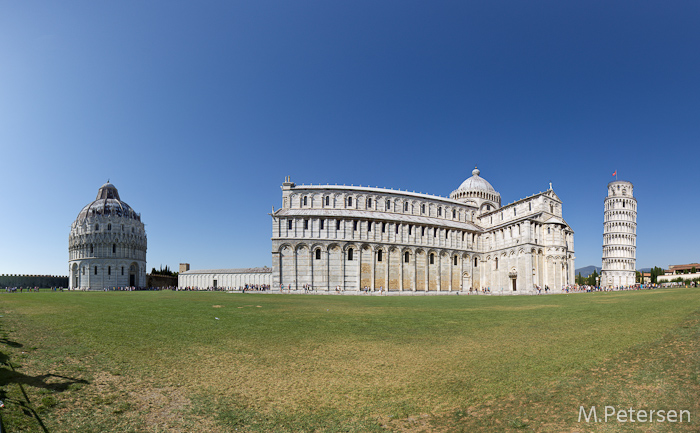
<point x="107" y="244"/>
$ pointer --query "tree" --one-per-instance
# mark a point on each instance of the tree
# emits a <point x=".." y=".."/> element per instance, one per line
<point x="655" y="272"/>
<point x="592" y="278"/>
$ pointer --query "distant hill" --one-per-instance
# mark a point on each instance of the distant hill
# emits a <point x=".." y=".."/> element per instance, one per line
<point x="588" y="270"/>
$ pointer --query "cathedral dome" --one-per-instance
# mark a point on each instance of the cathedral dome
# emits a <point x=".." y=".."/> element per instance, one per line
<point x="476" y="183"/>
<point x="478" y="192"/>
<point x="108" y="203"/>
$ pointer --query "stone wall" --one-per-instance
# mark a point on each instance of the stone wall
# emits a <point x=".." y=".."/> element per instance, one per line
<point x="33" y="281"/>
<point x="155" y="280"/>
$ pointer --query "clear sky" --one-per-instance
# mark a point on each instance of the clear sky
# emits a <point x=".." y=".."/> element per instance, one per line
<point x="196" y="110"/>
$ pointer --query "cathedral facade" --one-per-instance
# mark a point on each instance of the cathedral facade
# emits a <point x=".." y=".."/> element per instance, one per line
<point x="107" y="244"/>
<point x="350" y="238"/>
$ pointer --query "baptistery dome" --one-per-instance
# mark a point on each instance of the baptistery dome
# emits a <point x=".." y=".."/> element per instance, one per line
<point x="107" y="244"/>
<point x="477" y="191"/>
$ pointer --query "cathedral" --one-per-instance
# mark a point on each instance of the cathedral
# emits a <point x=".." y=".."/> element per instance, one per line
<point x="107" y="244"/>
<point x="353" y="238"/>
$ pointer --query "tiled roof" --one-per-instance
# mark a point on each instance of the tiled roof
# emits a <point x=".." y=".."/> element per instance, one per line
<point x="263" y="270"/>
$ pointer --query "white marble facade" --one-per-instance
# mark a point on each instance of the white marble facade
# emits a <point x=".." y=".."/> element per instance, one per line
<point x="349" y="238"/>
<point x="619" y="236"/>
<point x="107" y="244"/>
<point x="228" y="279"/>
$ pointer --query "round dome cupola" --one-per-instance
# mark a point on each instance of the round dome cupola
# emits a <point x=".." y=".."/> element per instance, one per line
<point x="478" y="192"/>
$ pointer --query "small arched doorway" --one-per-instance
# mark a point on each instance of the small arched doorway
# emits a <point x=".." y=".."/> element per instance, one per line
<point x="134" y="275"/>
<point x="76" y="276"/>
<point x="513" y="275"/>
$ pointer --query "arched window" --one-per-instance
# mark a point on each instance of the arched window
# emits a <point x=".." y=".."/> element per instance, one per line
<point x="529" y="206"/>
<point x="95" y="270"/>
<point x="405" y="207"/>
<point x="396" y="226"/>
<point x="515" y="212"/>
<point x="354" y="225"/>
<point x="369" y="202"/>
<point x="97" y="227"/>
<point x="455" y="263"/>
<point x="109" y="227"/>
<point x="109" y="270"/>
<point x="122" y="270"/>
<point x="476" y="262"/>
<point x="422" y="231"/>
<point x="304" y="200"/>
<point x="350" y="254"/>
<point x="349" y="201"/>
<point x="422" y="208"/>
<point x="369" y="226"/>
<point x="337" y="224"/>
<point x="551" y="209"/>
<point x="405" y="257"/>
<point x="454" y="214"/>
<point x="379" y="255"/>
<point x="306" y="224"/>
<point x="289" y="225"/>
<point x="432" y="258"/>
<point x="318" y="254"/>
<point x="439" y="210"/>
<point x="114" y="248"/>
<point x="328" y="201"/>
<point x="321" y="224"/>
<point x="549" y="231"/>
<point x="410" y="228"/>
<point x="383" y="227"/>
<point x="496" y="262"/>
<point x="388" y="205"/>
<point x="435" y="232"/>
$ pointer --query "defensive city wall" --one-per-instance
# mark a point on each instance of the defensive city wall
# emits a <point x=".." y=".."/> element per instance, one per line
<point x="33" y="281"/>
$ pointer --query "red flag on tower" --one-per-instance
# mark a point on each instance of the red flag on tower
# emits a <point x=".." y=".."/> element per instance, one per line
<point x="615" y="174"/>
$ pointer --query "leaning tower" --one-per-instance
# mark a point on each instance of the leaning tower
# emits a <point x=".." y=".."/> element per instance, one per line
<point x="619" y="236"/>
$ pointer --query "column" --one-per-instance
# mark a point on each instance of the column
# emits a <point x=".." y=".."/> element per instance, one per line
<point x="401" y="255"/>
<point x="427" y="271"/>
<point x="451" y="260"/>
<point x="414" y="271"/>
<point x="386" y="269"/>
<point x="342" y="268"/>
<point x="373" y="270"/>
<point x="328" y="269"/>
<point x="296" y="273"/>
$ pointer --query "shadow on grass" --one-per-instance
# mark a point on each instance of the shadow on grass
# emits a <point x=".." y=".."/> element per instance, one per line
<point x="9" y="376"/>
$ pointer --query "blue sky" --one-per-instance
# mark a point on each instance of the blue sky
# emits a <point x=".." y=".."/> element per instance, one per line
<point x="197" y="110"/>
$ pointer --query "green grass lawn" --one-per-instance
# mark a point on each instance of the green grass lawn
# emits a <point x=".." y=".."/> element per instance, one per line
<point x="162" y="361"/>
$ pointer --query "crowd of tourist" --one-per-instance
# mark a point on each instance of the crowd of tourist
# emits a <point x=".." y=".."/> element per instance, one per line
<point x="22" y="289"/>
<point x="244" y="288"/>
